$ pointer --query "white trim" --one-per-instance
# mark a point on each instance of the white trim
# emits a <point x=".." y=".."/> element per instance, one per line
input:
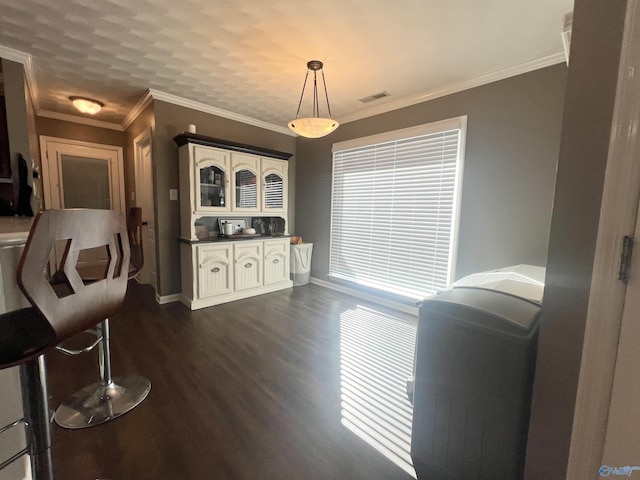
<point x="135" y="112"/>
<point x="411" y="310"/>
<point x="162" y="299"/>
<point x="201" y="107"/>
<point x="76" y="119"/>
<point x="415" y="131"/>
<point x="32" y="84"/>
<point x="456" y="87"/>
<point x="14" y="55"/>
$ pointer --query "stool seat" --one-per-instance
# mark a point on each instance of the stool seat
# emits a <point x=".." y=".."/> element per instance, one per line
<point x="24" y="334"/>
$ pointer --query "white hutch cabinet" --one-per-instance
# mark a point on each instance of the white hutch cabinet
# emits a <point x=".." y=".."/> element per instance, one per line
<point x="223" y="180"/>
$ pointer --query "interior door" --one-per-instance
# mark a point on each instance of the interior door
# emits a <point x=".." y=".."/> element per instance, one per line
<point x="82" y="175"/>
<point x="144" y="199"/>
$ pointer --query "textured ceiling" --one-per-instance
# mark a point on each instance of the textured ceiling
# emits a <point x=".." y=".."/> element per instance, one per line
<point x="249" y="57"/>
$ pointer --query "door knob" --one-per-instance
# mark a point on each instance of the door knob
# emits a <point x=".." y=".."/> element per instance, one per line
<point x="144" y="224"/>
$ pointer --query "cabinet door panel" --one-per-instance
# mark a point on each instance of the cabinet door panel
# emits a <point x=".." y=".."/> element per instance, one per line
<point x="211" y="179"/>
<point x="247" y="265"/>
<point x="274" y="185"/>
<point x="215" y="270"/>
<point x="276" y="261"/>
<point x="246" y="189"/>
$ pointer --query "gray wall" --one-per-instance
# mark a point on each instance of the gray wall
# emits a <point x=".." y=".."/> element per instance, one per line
<point x="169" y="121"/>
<point x="591" y="88"/>
<point x="17" y="116"/>
<point x="513" y="137"/>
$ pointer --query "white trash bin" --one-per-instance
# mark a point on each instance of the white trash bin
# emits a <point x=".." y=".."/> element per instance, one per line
<point x="301" y="263"/>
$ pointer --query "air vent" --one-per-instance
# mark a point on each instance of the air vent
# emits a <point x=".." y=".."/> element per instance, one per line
<point x="375" y="96"/>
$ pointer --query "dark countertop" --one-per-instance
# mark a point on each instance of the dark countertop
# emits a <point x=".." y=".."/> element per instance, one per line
<point x="233" y="238"/>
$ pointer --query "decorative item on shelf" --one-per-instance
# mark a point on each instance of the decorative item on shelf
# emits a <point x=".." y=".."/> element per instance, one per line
<point x="237" y="225"/>
<point x="201" y="232"/>
<point x="314" y="126"/>
<point x="86" y="105"/>
<point x="191" y="128"/>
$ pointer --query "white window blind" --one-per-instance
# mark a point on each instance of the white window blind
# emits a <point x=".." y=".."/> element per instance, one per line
<point x="394" y="208"/>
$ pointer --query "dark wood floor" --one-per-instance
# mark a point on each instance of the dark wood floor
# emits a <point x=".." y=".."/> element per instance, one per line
<point x="305" y="384"/>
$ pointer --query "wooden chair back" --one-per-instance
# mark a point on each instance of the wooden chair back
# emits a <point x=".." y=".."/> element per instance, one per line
<point x="78" y="305"/>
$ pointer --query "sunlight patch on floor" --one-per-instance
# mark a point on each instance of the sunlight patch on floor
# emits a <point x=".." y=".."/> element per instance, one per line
<point x="376" y="358"/>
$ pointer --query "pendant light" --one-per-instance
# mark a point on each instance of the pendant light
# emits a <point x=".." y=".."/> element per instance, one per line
<point x="314" y="126"/>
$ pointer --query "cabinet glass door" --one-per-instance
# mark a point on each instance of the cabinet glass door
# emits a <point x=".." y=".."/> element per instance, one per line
<point x="273" y="192"/>
<point x="246" y="189"/>
<point x="212" y="187"/>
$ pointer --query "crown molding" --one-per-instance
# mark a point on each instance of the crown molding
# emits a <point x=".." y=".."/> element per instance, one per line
<point x="32" y="85"/>
<point x="13" y="55"/>
<point x="201" y="107"/>
<point x="455" y="87"/>
<point x="82" y="120"/>
<point x="143" y="103"/>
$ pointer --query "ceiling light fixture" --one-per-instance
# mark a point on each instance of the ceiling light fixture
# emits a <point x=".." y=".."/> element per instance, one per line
<point x="314" y="126"/>
<point x="87" y="105"/>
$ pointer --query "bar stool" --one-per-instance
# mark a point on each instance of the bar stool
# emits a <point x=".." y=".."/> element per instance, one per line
<point x="108" y="398"/>
<point x="59" y="310"/>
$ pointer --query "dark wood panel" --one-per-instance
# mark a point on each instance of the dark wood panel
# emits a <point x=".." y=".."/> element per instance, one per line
<point x="245" y="390"/>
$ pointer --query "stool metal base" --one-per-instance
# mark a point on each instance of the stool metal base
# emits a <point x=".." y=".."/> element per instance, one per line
<point x="99" y="403"/>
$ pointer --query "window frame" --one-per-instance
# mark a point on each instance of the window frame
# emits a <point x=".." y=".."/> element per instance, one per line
<point x="456" y="123"/>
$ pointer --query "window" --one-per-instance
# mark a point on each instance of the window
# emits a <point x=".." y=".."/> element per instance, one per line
<point x="395" y="204"/>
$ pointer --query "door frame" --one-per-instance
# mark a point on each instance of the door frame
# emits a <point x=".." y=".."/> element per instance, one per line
<point x="592" y="438"/>
<point x="139" y="143"/>
<point x="79" y="148"/>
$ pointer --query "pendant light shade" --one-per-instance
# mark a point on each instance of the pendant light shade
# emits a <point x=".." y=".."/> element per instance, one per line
<point x="314" y="126"/>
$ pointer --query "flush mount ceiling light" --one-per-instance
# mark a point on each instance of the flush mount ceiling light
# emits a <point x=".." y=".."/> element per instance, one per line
<point x="314" y="126"/>
<point x="86" y="105"/>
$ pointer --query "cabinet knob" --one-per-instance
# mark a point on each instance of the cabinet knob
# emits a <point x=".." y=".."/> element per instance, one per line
<point x="276" y="260"/>
<point x="215" y="269"/>
<point x="248" y="265"/>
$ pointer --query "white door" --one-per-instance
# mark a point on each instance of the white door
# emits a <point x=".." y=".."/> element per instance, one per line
<point x="144" y="200"/>
<point x="82" y="175"/>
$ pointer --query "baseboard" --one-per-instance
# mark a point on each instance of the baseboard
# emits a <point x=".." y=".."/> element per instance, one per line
<point x="410" y="309"/>
<point x="162" y="299"/>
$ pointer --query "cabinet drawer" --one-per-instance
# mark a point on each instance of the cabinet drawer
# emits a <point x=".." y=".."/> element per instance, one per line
<point x="215" y="270"/>
<point x="276" y="261"/>
<point x="247" y="265"/>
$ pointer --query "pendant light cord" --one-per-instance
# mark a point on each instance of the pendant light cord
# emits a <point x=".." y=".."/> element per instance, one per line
<point x="316" y="106"/>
